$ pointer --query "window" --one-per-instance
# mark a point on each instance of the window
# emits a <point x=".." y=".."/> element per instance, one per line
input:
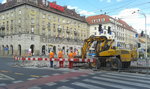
<point x="32" y="20"/>
<point x="20" y="12"/>
<point x="103" y="19"/>
<point x="43" y="16"/>
<point x="32" y="29"/>
<point x="95" y="28"/>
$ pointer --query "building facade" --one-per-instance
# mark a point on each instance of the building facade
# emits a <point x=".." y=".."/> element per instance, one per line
<point x="124" y="34"/>
<point x="41" y="26"/>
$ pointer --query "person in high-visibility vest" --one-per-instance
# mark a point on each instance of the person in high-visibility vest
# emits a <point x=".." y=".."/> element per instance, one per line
<point x="51" y="54"/>
<point x="71" y="55"/>
<point x="74" y="53"/>
<point x="60" y="54"/>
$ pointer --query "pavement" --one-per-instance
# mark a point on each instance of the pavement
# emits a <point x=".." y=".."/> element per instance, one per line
<point x="64" y="78"/>
<point x="78" y="80"/>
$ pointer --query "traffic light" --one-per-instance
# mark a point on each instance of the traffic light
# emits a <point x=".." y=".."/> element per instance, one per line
<point x="142" y="33"/>
<point x="109" y="30"/>
<point x="139" y="45"/>
<point x="100" y="28"/>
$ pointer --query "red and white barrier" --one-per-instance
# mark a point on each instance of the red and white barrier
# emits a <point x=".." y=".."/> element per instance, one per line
<point x="57" y="62"/>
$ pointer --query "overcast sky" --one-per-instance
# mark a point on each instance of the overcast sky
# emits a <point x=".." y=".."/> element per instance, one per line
<point x="116" y="8"/>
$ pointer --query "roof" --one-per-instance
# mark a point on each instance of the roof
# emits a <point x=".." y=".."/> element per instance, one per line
<point x="70" y="13"/>
<point x="97" y="19"/>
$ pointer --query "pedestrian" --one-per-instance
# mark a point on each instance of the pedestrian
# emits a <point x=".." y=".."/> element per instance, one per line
<point x="51" y="55"/>
<point x="75" y="53"/>
<point x="71" y="55"/>
<point x="60" y="54"/>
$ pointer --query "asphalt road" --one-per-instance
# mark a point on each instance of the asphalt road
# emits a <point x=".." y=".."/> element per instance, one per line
<point x="49" y="78"/>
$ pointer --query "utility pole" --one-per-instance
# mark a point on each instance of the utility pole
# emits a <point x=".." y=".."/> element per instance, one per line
<point x="146" y="59"/>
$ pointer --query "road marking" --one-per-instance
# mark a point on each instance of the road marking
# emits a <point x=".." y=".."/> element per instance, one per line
<point x="56" y="74"/>
<point x="84" y="75"/>
<point x="64" y="80"/>
<point x="75" y="78"/>
<point x="128" y="79"/>
<point x="5" y="77"/>
<point x="42" y="81"/>
<point x="45" y="76"/>
<point x="51" y="84"/>
<point x="36" y="76"/>
<point x="64" y="87"/>
<point x="4" y="71"/>
<point x="108" y="84"/>
<point x="31" y="78"/>
<point x="123" y="82"/>
<point x="88" y="86"/>
<point x="3" y="84"/>
<point x="131" y="76"/>
<point x="19" y="73"/>
<point x="34" y="88"/>
<point x="17" y="81"/>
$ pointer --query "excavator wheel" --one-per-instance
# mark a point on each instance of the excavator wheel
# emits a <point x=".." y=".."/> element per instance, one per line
<point x="116" y="63"/>
<point x="92" y="65"/>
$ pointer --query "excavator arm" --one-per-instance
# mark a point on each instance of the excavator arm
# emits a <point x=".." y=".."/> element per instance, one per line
<point x="88" y="42"/>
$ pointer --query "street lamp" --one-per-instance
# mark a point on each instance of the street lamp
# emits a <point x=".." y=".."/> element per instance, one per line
<point x="146" y="38"/>
<point x="145" y="32"/>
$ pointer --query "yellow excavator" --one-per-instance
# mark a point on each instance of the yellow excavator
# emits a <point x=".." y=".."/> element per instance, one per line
<point x="106" y="54"/>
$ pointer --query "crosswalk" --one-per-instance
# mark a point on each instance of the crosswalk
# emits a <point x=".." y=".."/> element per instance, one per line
<point x="107" y="80"/>
<point x="97" y="80"/>
<point x="5" y="77"/>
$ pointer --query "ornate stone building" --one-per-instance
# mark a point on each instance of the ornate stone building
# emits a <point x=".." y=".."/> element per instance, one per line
<point x="41" y="26"/>
<point x="125" y="35"/>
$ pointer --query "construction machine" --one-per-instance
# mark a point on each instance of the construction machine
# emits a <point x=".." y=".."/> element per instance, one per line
<point x="106" y="54"/>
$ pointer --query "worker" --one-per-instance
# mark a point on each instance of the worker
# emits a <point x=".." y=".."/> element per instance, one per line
<point x="71" y="55"/>
<point x="51" y="54"/>
<point x="60" y="54"/>
<point x="74" y="53"/>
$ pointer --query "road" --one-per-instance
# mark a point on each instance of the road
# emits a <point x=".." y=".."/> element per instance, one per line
<point x="49" y="78"/>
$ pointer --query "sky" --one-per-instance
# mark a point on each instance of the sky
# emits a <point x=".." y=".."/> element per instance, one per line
<point x="131" y="11"/>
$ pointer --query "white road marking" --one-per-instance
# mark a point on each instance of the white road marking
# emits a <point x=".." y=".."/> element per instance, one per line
<point x="128" y="75"/>
<point x="31" y="78"/>
<point x="108" y="84"/>
<point x="128" y="79"/>
<point x="56" y="74"/>
<point x="3" y="84"/>
<point x="75" y="78"/>
<point x="17" y="81"/>
<point x="45" y="76"/>
<point x="64" y="87"/>
<point x="123" y="82"/>
<point x="88" y="86"/>
<point x="64" y="80"/>
<point x="34" y="88"/>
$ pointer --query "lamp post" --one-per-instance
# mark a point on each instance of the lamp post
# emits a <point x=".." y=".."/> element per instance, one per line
<point x="146" y="38"/>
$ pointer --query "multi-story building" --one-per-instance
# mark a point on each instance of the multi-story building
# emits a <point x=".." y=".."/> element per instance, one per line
<point x="124" y="34"/>
<point x="41" y="26"/>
